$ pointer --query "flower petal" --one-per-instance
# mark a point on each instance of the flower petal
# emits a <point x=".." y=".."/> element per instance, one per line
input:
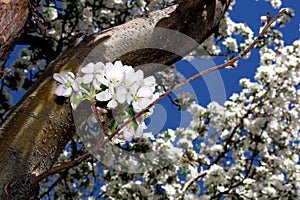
<point x="102" y="79"/>
<point x="128" y="134"/>
<point x="99" y="67"/>
<point x="88" y="69"/>
<point x="96" y="84"/>
<point x="63" y="91"/>
<point x="145" y="92"/>
<point x="144" y="102"/>
<point x="149" y="81"/>
<point x="59" y="78"/>
<point x="68" y="92"/>
<point x="103" y="96"/>
<point x="87" y="78"/>
<point x="70" y="76"/>
<point x="112" y="104"/>
<point x="59" y="91"/>
<point x="138" y="75"/>
<point x="76" y="85"/>
<point x="133" y="89"/>
<point x="121" y="94"/>
<point x="136" y="106"/>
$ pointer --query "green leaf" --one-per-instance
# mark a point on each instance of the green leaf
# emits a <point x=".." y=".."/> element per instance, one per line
<point x="76" y="100"/>
<point x="114" y="126"/>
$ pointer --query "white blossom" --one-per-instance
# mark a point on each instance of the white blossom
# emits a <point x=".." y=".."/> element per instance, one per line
<point x="67" y="84"/>
<point x="276" y="3"/>
<point x="231" y="44"/>
<point x="53" y="14"/>
<point x="94" y="73"/>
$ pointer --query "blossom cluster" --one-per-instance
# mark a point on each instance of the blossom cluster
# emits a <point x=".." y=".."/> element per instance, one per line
<point x="115" y="85"/>
<point x="253" y="150"/>
<point x="88" y="18"/>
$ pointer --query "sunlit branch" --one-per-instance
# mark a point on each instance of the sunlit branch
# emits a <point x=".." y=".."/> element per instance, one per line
<point x="191" y="181"/>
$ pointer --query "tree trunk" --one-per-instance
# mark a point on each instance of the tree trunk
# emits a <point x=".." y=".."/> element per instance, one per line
<point x="38" y="128"/>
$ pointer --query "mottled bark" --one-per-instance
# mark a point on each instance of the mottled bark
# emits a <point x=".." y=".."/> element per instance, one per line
<point x="13" y="18"/>
<point x="39" y="127"/>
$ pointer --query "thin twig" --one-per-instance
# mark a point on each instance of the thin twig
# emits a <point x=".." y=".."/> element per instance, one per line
<point x="231" y="62"/>
<point x="192" y="180"/>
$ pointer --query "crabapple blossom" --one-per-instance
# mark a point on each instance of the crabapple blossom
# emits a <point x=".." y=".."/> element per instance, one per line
<point x="143" y="97"/>
<point x="231" y="44"/>
<point x="67" y="84"/>
<point x="93" y="73"/>
<point x="115" y="85"/>
<point x="108" y="95"/>
<point x="129" y="131"/>
<point x="276" y="3"/>
<point x="52" y="12"/>
<point x="114" y="73"/>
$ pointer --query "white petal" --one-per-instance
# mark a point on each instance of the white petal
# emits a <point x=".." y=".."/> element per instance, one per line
<point x="59" y="78"/>
<point x="118" y="64"/>
<point x="128" y="135"/>
<point x="68" y="92"/>
<point x="59" y="91"/>
<point x="103" y="96"/>
<point x="96" y="84"/>
<point x="75" y="85"/>
<point x="128" y="69"/>
<point x="89" y="68"/>
<point x="138" y="75"/>
<point x="78" y="80"/>
<point x="109" y="65"/>
<point x="139" y="130"/>
<point x="136" y="106"/>
<point x="87" y="78"/>
<point x="145" y="91"/>
<point x="144" y="102"/>
<point x="121" y="94"/>
<point x="99" y="67"/>
<point x="102" y="80"/>
<point x="70" y="76"/>
<point x="149" y="81"/>
<point x="63" y="91"/>
<point x="112" y="103"/>
<point x="133" y="89"/>
<point x="128" y="78"/>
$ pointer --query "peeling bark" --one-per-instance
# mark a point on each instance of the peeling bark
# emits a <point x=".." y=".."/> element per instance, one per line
<point x="38" y="128"/>
<point x="13" y="18"/>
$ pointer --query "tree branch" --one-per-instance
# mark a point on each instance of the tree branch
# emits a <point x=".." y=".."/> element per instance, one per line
<point x="13" y="18"/>
<point x="191" y="181"/>
<point x="46" y="48"/>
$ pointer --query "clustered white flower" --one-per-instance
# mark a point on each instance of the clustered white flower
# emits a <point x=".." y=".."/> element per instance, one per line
<point x="231" y="44"/>
<point x="252" y="152"/>
<point x="248" y="147"/>
<point x="87" y="18"/>
<point x="227" y="29"/>
<point x="117" y="85"/>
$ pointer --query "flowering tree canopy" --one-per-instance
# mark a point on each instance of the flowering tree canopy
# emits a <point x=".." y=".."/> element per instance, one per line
<point x="97" y="70"/>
